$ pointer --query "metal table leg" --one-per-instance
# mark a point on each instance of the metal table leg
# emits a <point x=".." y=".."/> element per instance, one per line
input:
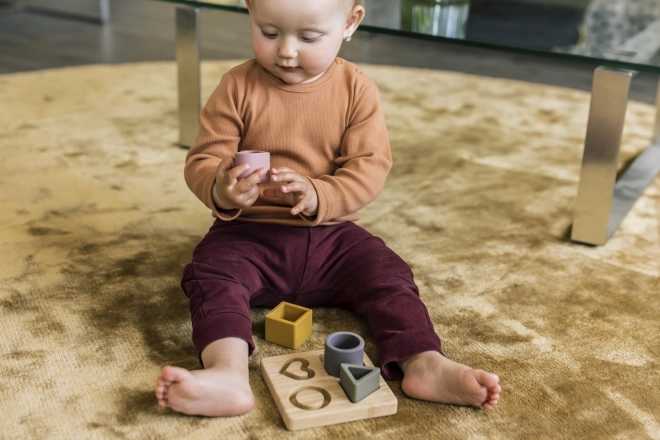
<point x="187" y="56"/>
<point x="104" y="11"/>
<point x="656" y="134"/>
<point x="603" y="203"/>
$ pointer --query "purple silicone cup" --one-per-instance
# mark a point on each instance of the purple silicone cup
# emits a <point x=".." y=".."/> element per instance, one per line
<point x="256" y="159"/>
<point x="342" y="348"/>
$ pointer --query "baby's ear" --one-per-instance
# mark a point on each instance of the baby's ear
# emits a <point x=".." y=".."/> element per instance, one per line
<point x="354" y="19"/>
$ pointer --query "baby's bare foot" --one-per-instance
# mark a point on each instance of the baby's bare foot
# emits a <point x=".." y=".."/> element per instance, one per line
<point x="431" y="376"/>
<point x="210" y="392"/>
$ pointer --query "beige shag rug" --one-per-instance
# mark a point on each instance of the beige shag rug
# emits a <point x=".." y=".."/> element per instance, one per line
<point x="96" y="224"/>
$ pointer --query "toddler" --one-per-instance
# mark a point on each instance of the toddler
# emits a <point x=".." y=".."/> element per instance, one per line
<point x="294" y="238"/>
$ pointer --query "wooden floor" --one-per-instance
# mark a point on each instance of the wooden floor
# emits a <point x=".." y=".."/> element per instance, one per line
<point x="143" y="30"/>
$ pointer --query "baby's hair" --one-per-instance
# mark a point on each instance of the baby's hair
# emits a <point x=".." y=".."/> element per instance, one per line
<point x="358" y="3"/>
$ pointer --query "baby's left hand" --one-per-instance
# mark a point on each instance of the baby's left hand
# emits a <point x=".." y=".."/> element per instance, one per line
<point x="295" y="190"/>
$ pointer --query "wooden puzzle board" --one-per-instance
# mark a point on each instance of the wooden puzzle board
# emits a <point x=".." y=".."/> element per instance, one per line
<point x="307" y="402"/>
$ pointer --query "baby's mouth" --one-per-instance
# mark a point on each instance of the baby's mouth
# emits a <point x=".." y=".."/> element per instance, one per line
<point x="286" y="68"/>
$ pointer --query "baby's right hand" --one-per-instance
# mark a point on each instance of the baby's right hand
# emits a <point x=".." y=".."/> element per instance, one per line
<point x="228" y="193"/>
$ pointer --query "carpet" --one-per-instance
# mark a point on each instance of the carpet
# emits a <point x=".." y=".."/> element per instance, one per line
<point x="96" y="224"/>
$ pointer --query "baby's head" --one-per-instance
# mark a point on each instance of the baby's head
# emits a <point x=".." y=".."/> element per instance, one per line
<point x="297" y="40"/>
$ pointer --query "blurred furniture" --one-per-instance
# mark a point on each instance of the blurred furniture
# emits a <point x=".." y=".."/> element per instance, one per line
<point x="91" y="10"/>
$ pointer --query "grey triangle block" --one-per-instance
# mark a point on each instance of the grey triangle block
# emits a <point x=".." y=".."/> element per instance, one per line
<point x="358" y="381"/>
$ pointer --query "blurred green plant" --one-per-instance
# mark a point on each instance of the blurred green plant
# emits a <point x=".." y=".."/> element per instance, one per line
<point x="446" y="18"/>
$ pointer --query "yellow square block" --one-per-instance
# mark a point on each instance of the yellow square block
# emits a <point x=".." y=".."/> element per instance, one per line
<point x="288" y="325"/>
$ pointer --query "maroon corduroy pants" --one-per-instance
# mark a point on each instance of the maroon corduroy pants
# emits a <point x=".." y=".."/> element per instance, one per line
<point x="239" y="265"/>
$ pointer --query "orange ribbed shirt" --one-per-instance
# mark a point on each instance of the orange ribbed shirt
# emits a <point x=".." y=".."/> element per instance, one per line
<point x="331" y="131"/>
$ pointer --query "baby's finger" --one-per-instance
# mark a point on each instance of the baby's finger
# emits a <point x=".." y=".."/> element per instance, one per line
<point x="233" y="174"/>
<point x="251" y="181"/>
<point x="279" y="170"/>
<point x="299" y="187"/>
<point x="287" y="177"/>
<point x="252" y="199"/>
<point x="300" y="207"/>
<point x="225" y="165"/>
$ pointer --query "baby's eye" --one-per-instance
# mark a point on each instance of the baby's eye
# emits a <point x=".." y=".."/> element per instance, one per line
<point x="308" y="39"/>
<point x="267" y="35"/>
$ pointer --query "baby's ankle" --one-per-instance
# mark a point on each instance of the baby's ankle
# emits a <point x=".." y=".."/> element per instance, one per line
<point x="420" y="359"/>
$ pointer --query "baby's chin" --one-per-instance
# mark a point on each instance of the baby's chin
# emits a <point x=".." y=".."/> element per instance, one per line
<point x="292" y="80"/>
<point x="298" y="77"/>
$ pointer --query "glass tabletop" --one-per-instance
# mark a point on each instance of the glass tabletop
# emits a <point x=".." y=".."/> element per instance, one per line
<point x="616" y="33"/>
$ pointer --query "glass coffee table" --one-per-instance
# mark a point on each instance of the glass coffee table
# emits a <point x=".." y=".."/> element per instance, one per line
<point x="618" y="37"/>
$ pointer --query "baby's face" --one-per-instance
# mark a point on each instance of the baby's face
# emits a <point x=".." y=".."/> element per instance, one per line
<point x="297" y="40"/>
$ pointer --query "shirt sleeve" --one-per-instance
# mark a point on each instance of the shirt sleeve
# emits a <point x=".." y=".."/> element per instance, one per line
<point x="219" y="135"/>
<point x="363" y="164"/>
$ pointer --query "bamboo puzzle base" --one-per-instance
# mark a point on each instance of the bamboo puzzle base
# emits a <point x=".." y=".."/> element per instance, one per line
<point x="307" y="396"/>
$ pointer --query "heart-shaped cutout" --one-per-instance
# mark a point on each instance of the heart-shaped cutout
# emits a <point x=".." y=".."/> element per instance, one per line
<point x="297" y="372"/>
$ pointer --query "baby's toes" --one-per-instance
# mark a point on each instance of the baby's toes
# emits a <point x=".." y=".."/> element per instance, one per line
<point x="163" y="400"/>
<point x="162" y="382"/>
<point x="489" y="380"/>
<point x="491" y="401"/>
<point x="161" y="390"/>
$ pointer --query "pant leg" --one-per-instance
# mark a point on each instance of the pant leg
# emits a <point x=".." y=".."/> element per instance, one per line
<point x="360" y="273"/>
<point x="238" y="265"/>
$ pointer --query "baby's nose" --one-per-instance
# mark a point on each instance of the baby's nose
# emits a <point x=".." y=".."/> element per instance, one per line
<point x="287" y="49"/>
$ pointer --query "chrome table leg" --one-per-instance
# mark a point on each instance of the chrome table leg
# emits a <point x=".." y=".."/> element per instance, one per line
<point x="104" y="11"/>
<point x="603" y="202"/>
<point x="656" y="133"/>
<point x="187" y="57"/>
